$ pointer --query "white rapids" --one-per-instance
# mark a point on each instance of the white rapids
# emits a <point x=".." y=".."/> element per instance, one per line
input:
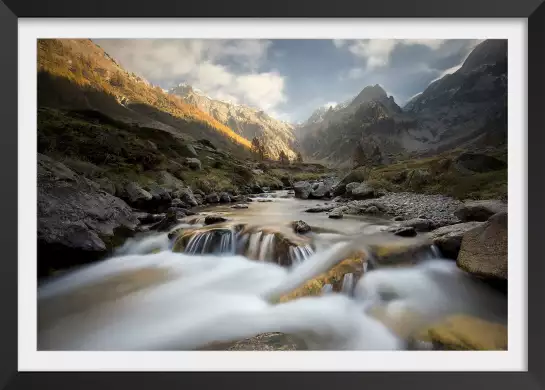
<point x="196" y="300"/>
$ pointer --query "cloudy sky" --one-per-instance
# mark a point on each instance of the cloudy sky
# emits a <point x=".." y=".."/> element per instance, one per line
<point x="289" y="79"/>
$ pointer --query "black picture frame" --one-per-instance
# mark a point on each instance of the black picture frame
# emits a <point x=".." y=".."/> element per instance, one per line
<point x="531" y="10"/>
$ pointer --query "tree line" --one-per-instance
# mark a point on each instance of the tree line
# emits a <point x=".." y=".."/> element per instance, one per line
<point x="260" y="151"/>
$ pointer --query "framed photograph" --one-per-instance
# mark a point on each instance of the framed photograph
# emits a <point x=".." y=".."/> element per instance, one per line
<point x="247" y="192"/>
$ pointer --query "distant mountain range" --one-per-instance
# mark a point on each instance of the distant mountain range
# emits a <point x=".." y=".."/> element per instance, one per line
<point x="246" y="121"/>
<point x="467" y="108"/>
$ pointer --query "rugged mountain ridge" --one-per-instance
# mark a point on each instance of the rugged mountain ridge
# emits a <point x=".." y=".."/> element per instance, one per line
<point x="76" y="74"/>
<point x="246" y="121"/>
<point x="467" y="108"/>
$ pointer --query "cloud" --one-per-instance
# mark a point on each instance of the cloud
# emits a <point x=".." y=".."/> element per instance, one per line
<point x="377" y="52"/>
<point x="330" y="104"/>
<point x="222" y="69"/>
<point x="447" y="71"/>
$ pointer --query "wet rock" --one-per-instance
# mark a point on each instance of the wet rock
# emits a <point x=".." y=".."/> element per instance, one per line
<point x="266" y="189"/>
<point x="256" y="189"/>
<point x="239" y="206"/>
<point x="322" y="189"/>
<point x="483" y="250"/>
<point x="372" y="210"/>
<point x="419" y="224"/>
<point x="336" y="213"/>
<point x="468" y="333"/>
<point x="147" y="218"/>
<point x="212" y="219"/>
<point x="321" y="208"/>
<point x="398" y="218"/>
<point x="194" y="163"/>
<point x="168" y="222"/>
<point x="302" y="189"/>
<point x="407" y="231"/>
<point x="449" y="238"/>
<point x="480" y="210"/>
<point x="212" y="198"/>
<point x="300" y="227"/>
<point x="264" y="200"/>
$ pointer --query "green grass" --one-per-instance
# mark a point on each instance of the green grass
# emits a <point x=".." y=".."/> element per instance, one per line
<point x="442" y="178"/>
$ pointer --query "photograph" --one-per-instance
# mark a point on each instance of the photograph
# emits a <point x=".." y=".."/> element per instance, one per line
<point x="198" y="194"/>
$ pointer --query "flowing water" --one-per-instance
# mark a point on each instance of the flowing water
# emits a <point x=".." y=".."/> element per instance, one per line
<point x="227" y="284"/>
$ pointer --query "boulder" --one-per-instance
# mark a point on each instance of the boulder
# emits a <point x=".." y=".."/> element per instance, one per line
<point x="136" y="195"/>
<point x="187" y="196"/>
<point x="363" y="191"/>
<point x="239" y="206"/>
<point x="224" y="197"/>
<point x="371" y="210"/>
<point x="398" y="218"/>
<point x="449" y="238"/>
<point x="322" y="189"/>
<point x="76" y="223"/>
<point x="264" y="200"/>
<point x="321" y="208"/>
<point x="477" y="162"/>
<point x="480" y="210"/>
<point x="256" y="189"/>
<point x="407" y="231"/>
<point x="462" y="332"/>
<point x="483" y="251"/>
<point x="302" y="189"/>
<point x="179" y="203"/>
<point x="300" y="227"/>
<point x="336" y="213"/>
<point x="147" y="218"/>
<point x="212" y="219"/>
<point x="194" y="163"/>
<point x="350" y="187"/>
<point x="199" y="198"/>
<point x="160" y="196"/>
<point x="187" y="150"/>
<point x="212" y="198"/>
<point x="106" y="185"/>
<point x="419" y="224"/>
<point x="168" y="222"/>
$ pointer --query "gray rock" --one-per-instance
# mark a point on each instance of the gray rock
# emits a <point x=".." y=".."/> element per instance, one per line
<point x="264" y="200"/>
<point x="239" y="206"/>
<point x="224" y="197"/>
<point x="188" y="151"/>
<point x="372" y="210"/>
<point x="419" y="224"/>
<point x="321" y="190"/>
<point x="300" y="227"/>
<point x="194" y="163"/>
<point x="136" y="195"/>
<point x="199" y="198"/>
<point x="321" y="208"/>
<point x="484" y="249"/>
<point x="363" y="191"/>
<point x="160" y="196"/>
<point x="350" y="187"/>
<point x="187" y="196"/>
<point x="480" y="210"/>
<point x="398" y="218"/>
<point x="76" y="223"/>
<point x="212" y="219"/>
<point x="179" y="203"/>
<point x="106" y="185"/>
<point x="449" y="238"/>
<point x="302" y="189"/>
<point x="406" y="231"/>
<point x="169" y="181"/>
<point x="212" y="198"/>
<point x="336" y="213"/>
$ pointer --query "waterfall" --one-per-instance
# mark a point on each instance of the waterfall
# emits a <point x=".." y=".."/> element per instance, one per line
<point x="348" y="284"/>
<point x="266" y="249"/>
<point x="253" y="245"/>
<point x="327" y="288"/>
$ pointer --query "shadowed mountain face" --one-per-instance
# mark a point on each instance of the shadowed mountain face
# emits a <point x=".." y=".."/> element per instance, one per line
<point x="465" y="109"/>
<point x="76" y="74"/>
<point x="246" y="121"/>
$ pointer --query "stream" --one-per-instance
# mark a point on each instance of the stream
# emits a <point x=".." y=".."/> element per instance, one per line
<point x="227" y="283"/>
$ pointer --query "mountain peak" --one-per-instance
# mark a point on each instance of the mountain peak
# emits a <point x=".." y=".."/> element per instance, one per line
<point x="370" y="93"/>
